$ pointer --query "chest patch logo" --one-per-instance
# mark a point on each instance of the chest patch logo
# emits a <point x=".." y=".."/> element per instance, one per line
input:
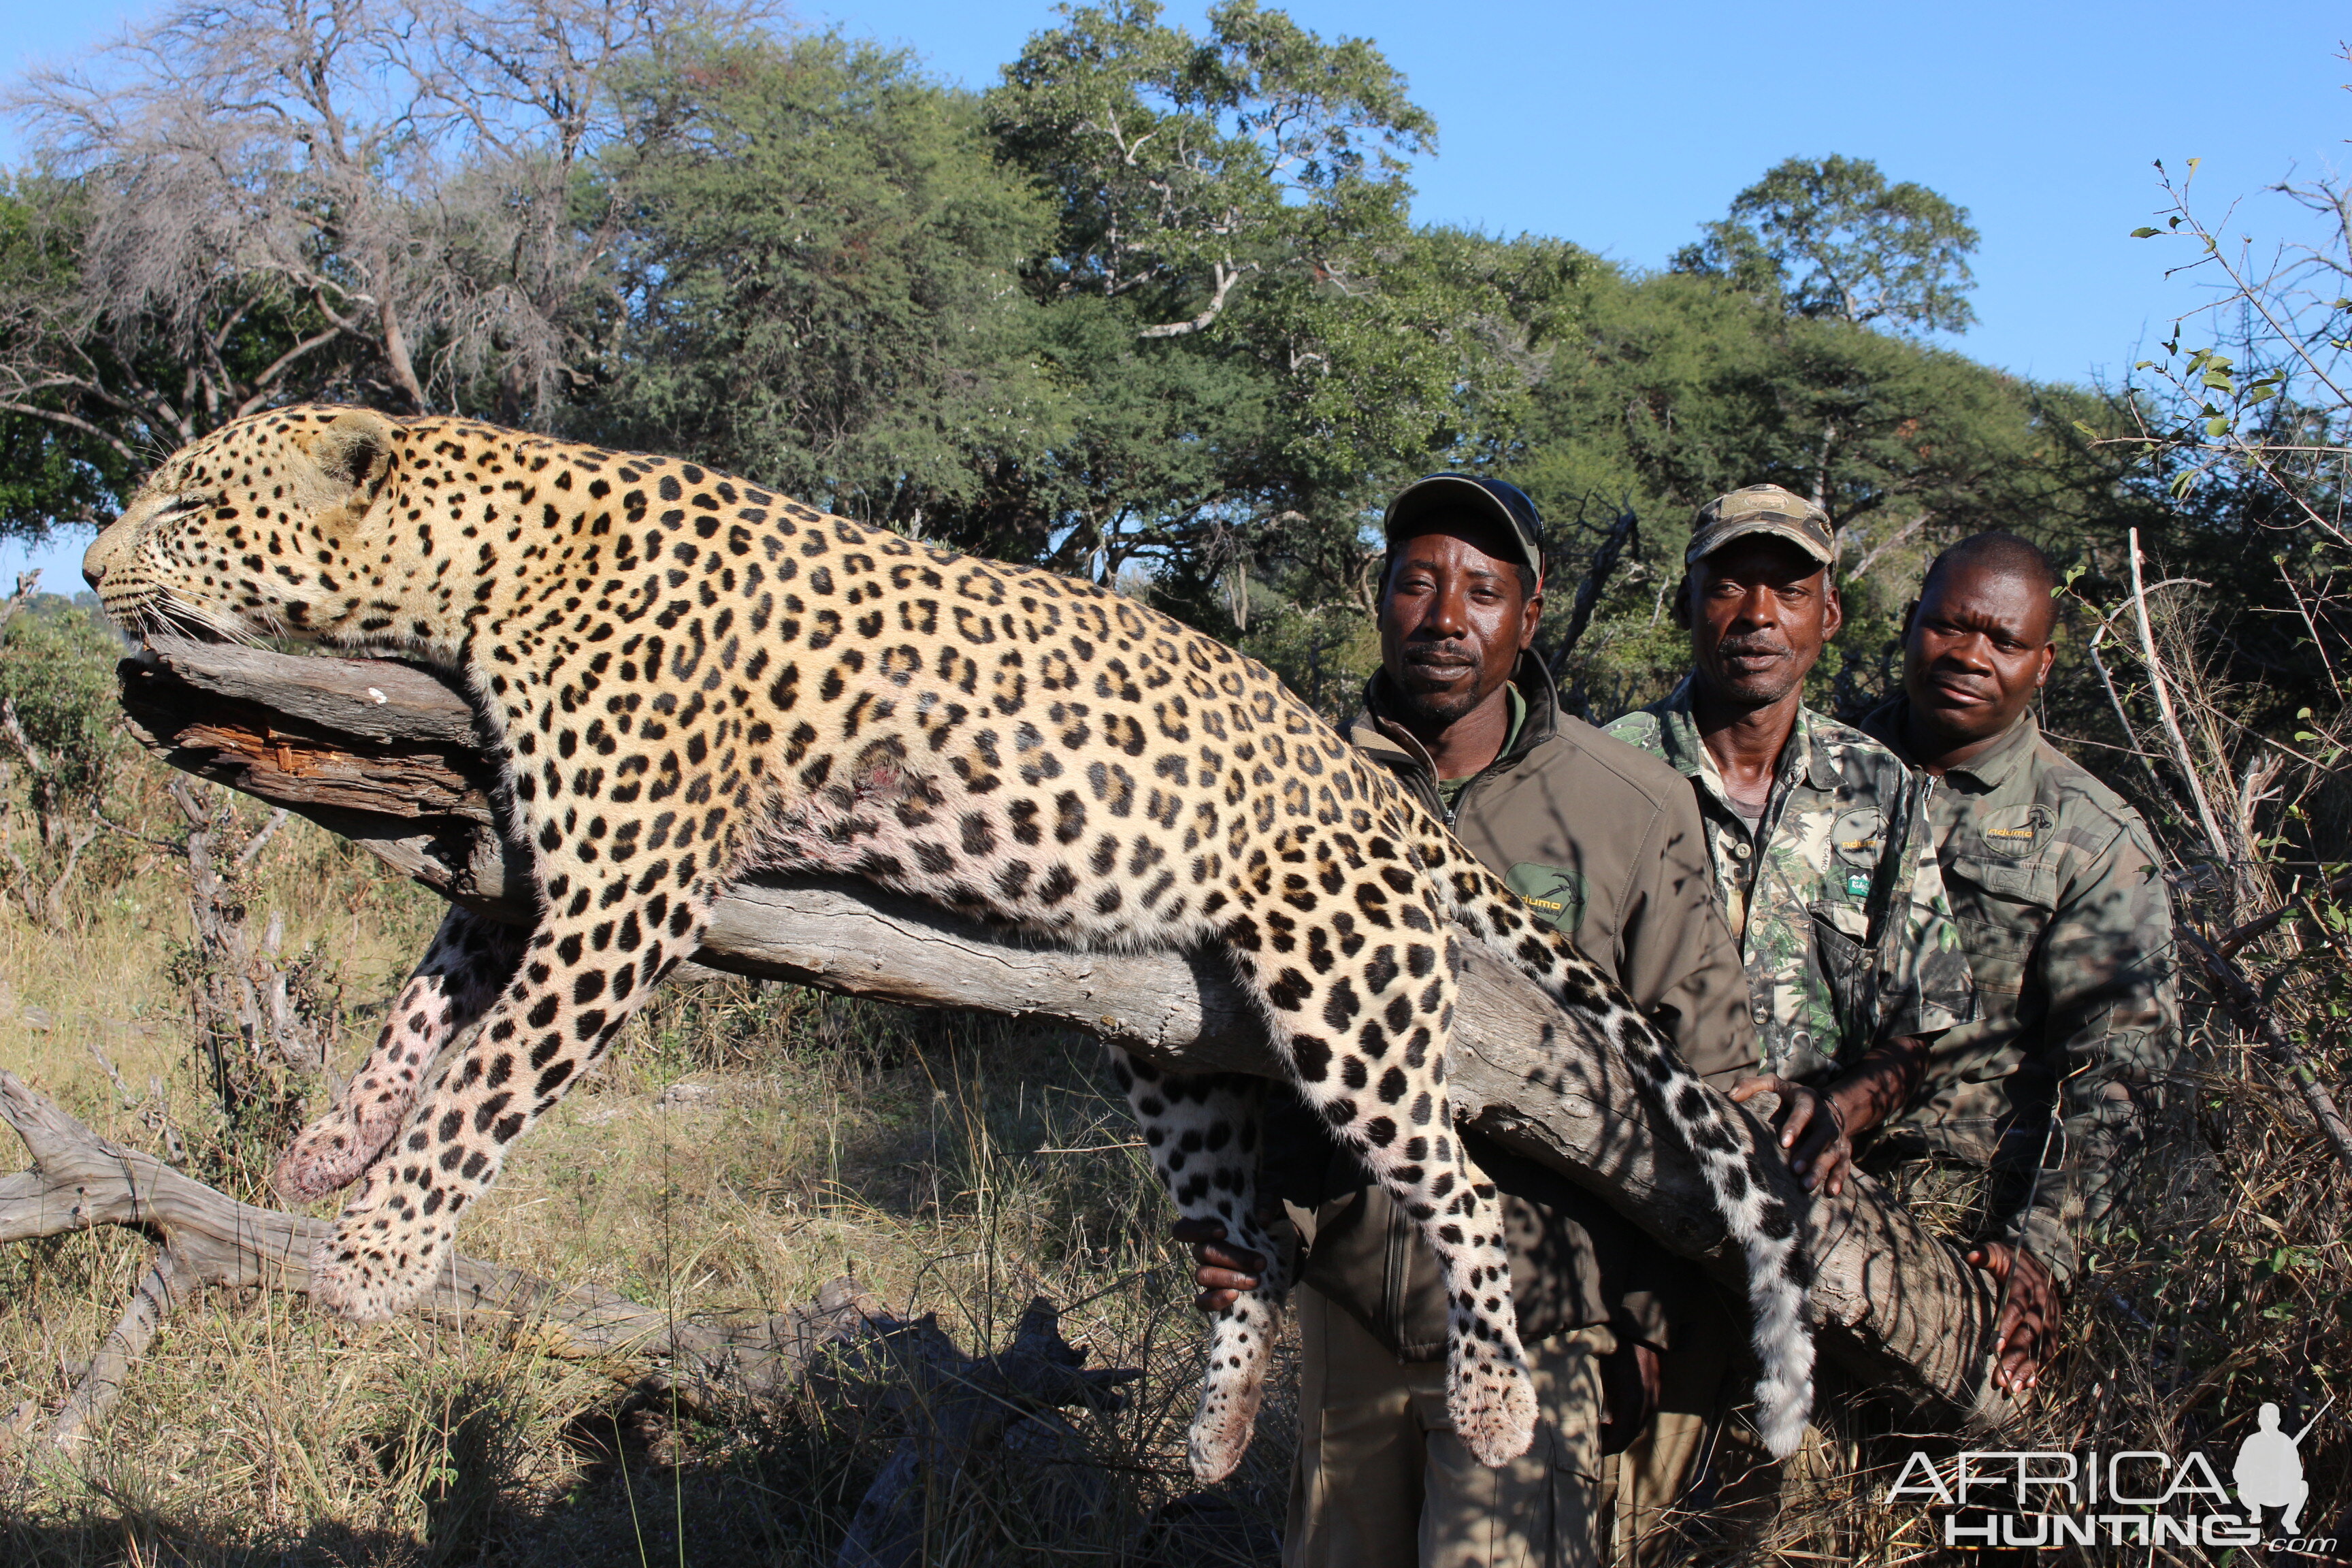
<point x="1556" y="894"/>
<point x="2016" y="832"/>
<point x="1857" y="836"/>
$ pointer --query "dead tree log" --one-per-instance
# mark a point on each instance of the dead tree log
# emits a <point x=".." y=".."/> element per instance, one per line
<point x="387" y="755"/>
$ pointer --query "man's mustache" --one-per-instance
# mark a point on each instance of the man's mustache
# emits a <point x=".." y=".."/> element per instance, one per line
<point x="1439" y="658"/>
<point x="1749" y="647"/>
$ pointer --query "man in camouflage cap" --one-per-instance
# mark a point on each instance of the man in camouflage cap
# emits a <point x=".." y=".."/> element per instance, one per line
<point x="2030" y="1116"/>
<point x="1816" y="840"/>
<point x="1816" y="832"/>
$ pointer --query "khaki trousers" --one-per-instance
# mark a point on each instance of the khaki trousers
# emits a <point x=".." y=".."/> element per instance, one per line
<point x="1382" y="1482"/>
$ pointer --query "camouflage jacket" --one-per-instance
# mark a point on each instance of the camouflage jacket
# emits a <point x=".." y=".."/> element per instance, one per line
<point x="2063" y="915"/>
<point x="1835" y="897"/>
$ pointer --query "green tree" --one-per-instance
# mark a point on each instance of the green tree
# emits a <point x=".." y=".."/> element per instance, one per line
<point x="1832" y="238"/>
<point x="1680" y="388"/>
<point x="1257" y="342"/>
<point x="818" y="260"/>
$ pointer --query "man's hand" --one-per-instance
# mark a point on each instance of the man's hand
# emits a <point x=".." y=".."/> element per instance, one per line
<point x="1222" y="1270"/>
<point x="1631" y="1388"/>
<point x="1813" y="1131"/>
<point x="2027" y="1336"/>
<point x="1818" y="1126"/>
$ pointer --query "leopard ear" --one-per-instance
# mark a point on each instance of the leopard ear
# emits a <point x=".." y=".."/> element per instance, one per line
<point x="356" y="448"/>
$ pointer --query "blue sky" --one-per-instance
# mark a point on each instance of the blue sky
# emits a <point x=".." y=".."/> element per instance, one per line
<point x="1625" y="127"/>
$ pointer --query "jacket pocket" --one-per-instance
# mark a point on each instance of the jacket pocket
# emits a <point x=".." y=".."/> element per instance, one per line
<point x="2003" y="907"/>
<point x="1842" y="964"/>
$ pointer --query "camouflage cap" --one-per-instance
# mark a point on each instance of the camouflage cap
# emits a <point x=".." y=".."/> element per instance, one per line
<point x="1439" y="496"/>
<point x="1762" y="509"/>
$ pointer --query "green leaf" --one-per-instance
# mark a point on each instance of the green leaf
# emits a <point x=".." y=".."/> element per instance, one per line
<point x="2143" y="233"/>
<point x="2218" y="426"/>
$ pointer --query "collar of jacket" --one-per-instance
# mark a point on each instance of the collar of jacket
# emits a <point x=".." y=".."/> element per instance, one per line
<point x="1886" y="724"/>
<point x="1678" y="729"/>
<point x="1376" y="732"/>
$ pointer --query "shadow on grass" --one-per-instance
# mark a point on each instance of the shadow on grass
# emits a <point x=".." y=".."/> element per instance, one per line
<point x="633" y="1482"/>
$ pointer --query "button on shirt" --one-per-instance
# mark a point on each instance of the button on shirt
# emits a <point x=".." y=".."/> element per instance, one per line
<point x="2068" y="930"/>
<point x="1834" y="894"/>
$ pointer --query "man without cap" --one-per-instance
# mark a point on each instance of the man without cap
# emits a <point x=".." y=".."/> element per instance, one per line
<point x="1817" y="841"/>
<point x="1606" y="844"/>
<point x="2029" y="1117"/>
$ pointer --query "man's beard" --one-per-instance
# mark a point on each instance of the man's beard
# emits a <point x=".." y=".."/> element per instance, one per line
<point x="1434" y="709"/>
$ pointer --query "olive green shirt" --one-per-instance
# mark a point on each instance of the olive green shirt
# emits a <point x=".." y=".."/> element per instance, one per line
<point x="2064" y="917"/>
<point x="1835" y="895"/>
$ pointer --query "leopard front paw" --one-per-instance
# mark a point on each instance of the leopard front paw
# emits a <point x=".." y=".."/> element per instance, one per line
<point x="329" y="1156"/>
<point x="1492" y="1403"/>
<point x="368" y="1271"/>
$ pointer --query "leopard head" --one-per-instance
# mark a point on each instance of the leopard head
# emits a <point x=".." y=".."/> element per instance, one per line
<point x="282" y="524"/>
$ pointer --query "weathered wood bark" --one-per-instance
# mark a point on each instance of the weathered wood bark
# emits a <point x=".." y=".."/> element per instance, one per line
<point x="386" y="755"/>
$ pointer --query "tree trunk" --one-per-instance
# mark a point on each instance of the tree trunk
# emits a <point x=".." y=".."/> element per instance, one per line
<point x="387" y="755"/>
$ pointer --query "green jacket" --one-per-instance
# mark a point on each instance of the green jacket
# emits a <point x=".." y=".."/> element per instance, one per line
<point x="1835" y="897"/>
<point x="2064" y="917"/>
<point x="1605" y="844"/>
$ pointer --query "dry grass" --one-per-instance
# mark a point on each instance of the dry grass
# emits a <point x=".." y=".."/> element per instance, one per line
<point x="744" y="1144"/>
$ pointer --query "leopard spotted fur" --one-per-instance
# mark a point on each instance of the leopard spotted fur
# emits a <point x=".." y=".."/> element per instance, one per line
<point x="689" y="677"/>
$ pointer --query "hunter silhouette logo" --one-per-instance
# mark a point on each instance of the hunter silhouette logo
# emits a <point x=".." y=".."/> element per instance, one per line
<point x="2135" y="1497"/>
<point x="2268" y="1471"/>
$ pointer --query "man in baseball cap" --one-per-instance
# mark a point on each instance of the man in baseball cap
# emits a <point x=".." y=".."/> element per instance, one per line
<point x="1606" y="845"/>
<point x="1440" y="498"/>
<point x="1818" y="839"/>
<point x="1765" y="510"/>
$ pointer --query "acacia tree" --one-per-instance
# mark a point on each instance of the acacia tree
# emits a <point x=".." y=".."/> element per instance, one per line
<point x="1832" y="237"/>
<point x="266" y="199"/>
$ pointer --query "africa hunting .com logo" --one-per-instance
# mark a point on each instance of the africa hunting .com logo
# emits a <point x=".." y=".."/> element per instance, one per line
<point x="2008" y="1499"/>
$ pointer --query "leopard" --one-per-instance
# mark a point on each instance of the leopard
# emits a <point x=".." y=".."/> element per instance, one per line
<point x="683" y="678"/>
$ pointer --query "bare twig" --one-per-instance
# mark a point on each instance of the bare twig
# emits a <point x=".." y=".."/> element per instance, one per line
<point x="2188" y="765"/>
<point x="2230" y="943"/>
<point x="27" y="584"/>
<point x="2259" y="1020"/>
<point x="1606" y="554"/>
<point x="1861" y="569"/>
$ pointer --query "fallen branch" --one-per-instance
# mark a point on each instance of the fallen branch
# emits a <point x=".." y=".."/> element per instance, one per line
<point x="160" y="1289"/>
<point x="80" y="1181"/>
<point x="2257" y="1019"/>
<point x="952" y="1405"/>
<point x="384" y="754"/>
